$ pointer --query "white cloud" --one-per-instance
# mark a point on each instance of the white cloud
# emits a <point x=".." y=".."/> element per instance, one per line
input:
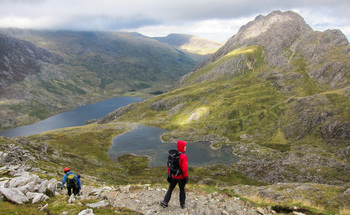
<point x="214" y="19"/>
<point x="215" y="29"/>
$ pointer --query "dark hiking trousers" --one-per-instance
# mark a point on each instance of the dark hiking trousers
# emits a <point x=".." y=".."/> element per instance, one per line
<point x="172" y="185"/>
<point x="75" y="191"/>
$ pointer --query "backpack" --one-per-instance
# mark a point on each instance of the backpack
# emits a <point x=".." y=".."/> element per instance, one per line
<point x="173" y="162"/>
<point x="72" y="180"/>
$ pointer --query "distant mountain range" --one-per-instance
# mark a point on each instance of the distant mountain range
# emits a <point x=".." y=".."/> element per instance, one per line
<point x="192" y="44"/>
<point x="277" y="92"/>
<point x="46" y="72"/>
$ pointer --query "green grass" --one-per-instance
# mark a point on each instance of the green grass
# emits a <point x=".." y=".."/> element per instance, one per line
<point x="8" y="208"/>
<point x="341" y="102"/>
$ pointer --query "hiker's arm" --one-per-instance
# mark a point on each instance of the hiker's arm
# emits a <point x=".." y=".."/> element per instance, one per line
<point x="64" y="179"/>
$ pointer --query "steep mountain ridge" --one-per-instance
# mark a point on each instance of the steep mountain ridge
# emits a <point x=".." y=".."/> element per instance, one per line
<point x="22" y="58"/>
<point x="277" y="92"/>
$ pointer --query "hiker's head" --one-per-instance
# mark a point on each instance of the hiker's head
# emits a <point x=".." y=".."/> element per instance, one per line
<point x="181" y="146"/>
<point x="66" y="170"/>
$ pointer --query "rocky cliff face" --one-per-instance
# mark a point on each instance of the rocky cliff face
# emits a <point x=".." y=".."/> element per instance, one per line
<point x="19" y="59"/>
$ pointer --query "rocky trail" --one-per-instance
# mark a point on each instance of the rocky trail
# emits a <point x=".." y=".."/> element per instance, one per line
<point x="26" y="187"/>
<point x="145" y="199"/>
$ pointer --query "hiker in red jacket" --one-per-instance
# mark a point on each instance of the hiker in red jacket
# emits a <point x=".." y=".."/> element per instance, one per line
<point x="181" y="179"/>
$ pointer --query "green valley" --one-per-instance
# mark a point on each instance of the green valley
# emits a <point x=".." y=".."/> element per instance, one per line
<point x="76" y="68"/>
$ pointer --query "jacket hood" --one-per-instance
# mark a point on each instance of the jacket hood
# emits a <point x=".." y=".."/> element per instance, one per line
<point x="181" y="146"/>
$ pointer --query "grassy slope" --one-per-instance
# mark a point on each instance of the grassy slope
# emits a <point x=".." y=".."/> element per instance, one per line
<point x="245" y="104"/>
<point x="229" y="103"/>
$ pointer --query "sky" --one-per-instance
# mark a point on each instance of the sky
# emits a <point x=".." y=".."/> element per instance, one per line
<point x="216" y="20"/>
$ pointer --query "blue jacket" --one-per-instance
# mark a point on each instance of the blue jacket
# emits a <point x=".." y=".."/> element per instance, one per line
<point x="64" y="179"/>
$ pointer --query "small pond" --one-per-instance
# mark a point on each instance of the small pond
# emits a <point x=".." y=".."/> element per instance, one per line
<point x="145" y="140"/>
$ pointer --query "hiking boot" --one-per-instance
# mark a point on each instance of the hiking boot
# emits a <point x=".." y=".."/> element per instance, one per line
<point x="183" y="206"/>
<point x="164" y="204"/>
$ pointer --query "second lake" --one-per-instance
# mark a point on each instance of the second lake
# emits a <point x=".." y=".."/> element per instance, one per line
<point x="145" y="141"/>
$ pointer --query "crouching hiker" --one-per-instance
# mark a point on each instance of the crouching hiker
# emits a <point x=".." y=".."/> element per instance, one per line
<point x="72" y="181"/>
<point x="177" y="173"/>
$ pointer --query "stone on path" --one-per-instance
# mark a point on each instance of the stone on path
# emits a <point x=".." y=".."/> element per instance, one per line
<point x="98" y="204"/>
<point x="86" y="212"/>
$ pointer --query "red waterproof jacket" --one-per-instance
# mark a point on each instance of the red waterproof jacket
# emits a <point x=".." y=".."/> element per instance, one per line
<point x="183" y="162"/>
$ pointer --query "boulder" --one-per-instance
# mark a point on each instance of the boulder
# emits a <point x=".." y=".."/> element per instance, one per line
<point x="44" y="207"/>
<point x="14" y="195"/>
<point x="43" y="185"/>
<point x="71" y="199"/>
<point x="2" y="197"/>
<point x="3" y="182"/>
<point x="347" y="191"/>
<point x="125" y="189"/>
<point x="52" y="186"/>
<point x="37" y="197"/>
<point x="27" y="188"/>
<point x="98" y="204"/>
<point x="22" y="180"/>
<point x="86" y="212"/>
<point x="3" y="157"/>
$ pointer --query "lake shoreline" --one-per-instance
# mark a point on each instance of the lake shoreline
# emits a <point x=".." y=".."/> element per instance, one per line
<point x="76" y="117"/>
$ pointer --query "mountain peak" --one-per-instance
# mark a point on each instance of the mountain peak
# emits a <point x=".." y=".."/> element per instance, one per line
<point x="273" y="32"/>
<point x="272" y="23"/>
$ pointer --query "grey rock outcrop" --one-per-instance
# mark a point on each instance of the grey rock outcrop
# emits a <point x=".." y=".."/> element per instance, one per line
<point x="14" y="195"/>
<point x="284" y="27"/>
<point x="86" y="212"/>
<point x="98" y="204"/>
<point x="37" y="197"/>
<point x="25" y="186"/>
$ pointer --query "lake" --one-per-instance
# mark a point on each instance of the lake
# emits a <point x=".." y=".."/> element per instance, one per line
<point x="145" y="140"/>
<point x="76" y="117"/>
